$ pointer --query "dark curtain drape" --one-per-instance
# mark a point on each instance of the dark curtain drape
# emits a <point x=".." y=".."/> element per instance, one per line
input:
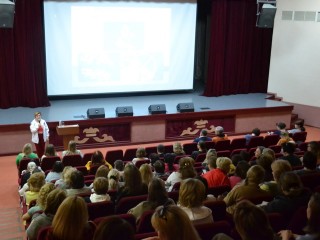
<point x="239" y="52"/>
<point x="22" y="58"/>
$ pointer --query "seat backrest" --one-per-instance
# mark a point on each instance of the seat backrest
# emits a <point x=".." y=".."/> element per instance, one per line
<point x="93" y="169"/>
<point x="303" y="146"/>
<point x="216" y="191"/>
<point x="139" y="163"/>
<point x="177" y="158"/>
<point x="176" y="187"/>
<point x="218" y="209"/>
<point x="208" y="230"/>
<point x="310" y="180"/>
<point x="72" y="160"/>
<point x="222" y="145"/>
<point x="113" y="155"/>
<point x="238" y="143"/>
<point x="47" y="162"/>
<point x="224" y="153"/>
<point x="126" y="203"/>
<point x="144" y="225"/>
<point x="86" y="158"/>
<point x="152" y="149"/>
<point x="298" y="221"/>
<point x="126" y="216"/>
<point x="237" y="151"/>
<point x="299" y="137"/>
<point x="271" y="140"/>
<point x="255" y="141"/>
<point x="201" y="157"/>
<point x="276" y="221"/>
<point x="210" y="144"/>
<point x="129" y="154"/>
<point x="275" y="148"/>
<point x="100" y="209"/>
<point x="190" y="147"/>
<point x="82" y="169"/>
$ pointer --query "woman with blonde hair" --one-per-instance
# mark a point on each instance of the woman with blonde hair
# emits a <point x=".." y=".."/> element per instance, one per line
<point x="35" y="182"/>
<point x="192" y="193"/>
<point x="186" y="170"/>
<point x="72" y="149"/>
<point x="26" y="153"/>
<point x="71" y="220"/>
<point x="172" y="223"/>
<point x="146" y="173"/>
<point x="41" y="202"/>
<point x="64" y="182"/>
<point x="169" y="157"/>
<point x="113" y="178"/>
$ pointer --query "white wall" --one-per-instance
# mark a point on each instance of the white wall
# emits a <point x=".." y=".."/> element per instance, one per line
<point x="295" y="56"/>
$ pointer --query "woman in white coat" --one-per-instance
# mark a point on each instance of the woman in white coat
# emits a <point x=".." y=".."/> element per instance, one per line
<point x="40" y="133"/>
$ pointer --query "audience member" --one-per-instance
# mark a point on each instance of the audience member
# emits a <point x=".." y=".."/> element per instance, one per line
<point x="146" y="173"/>
<point x="265" y="161"/>
<point x="203" y="137"/>
<point x="255" y="176"/>
<point x="169" y="157"/>
<point x="192" y="193"/>
<point x="26" y="153"/>
<point x="202" y="148"/>
<point x="313" y="225"/>
<point x="77" y="185"/>
<point x="40" y="133"/>
<point x="119" y="165"/>
<point x="270" y="152"/>
<point x="255" y="133"/>
<point x="113" y="179"/>
<point x="64" y="182"/>
<point x="50" y="151"/>
<point x="71" y="220"/>
<point x="133" y="185"/>
<point x="97" y="159"/>
<point x="153" y="158"/>
<point x="288" y="154"/>
<point x="53" y="201"/>
<point x="220" y="135"/>
<point x="309" y="162"/>
<point x="35" y="182"/>
<point x="239" y="174"/>
<point x="100" y="187"/>
<point x="186" y="170"/>
<point x="159" y="169"/>
<point x="161" y="151"/>
<point x="56" y="172"/>
<point x="140" y="155"/>
<point x="218" y="176"/>
<point x="212" y="156"/>
<point x="281" y="127"/>
<point x="314" y="147"/>
<point x="114" y="227"/>
<point x="172" y="223"/>
<point x="157" y="195"/>
<point x="298" y="127"/>
<point x="102" y="171"/>
<point x="72" y="149"/>
<point x="278" y="167"/>
<point x="285" y="138"/>
<point x="292" y="196"/>
<point x="25" y="174"/>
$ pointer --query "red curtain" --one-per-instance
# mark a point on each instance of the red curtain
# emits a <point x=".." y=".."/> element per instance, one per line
<point x="22" y="58"/>
<point x="239" y="52"/>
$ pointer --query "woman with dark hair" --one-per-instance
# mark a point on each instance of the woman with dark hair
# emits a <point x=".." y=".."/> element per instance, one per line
<point x="240" y="173"/>
<point x="169" y="157"/>
<point x="97" y="159"/>
<point x="157" y="195"/>
<point x="133" y="185"/>
<point x="50" y="151"/>
<point x="114" y="227"/>
<point x="56" y="171"/>
<point x="186" y="170"/>
<point x="313" y="226"/>
<point x="314" y="147"/>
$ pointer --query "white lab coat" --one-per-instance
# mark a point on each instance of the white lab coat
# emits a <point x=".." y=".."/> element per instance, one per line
<point x="34" y="130"/>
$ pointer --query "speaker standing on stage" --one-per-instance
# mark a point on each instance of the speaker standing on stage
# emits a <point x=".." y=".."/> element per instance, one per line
<point x="40" y="133"/>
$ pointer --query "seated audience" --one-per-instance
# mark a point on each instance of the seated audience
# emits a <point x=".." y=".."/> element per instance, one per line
<point x="281" y="127"/>
<point x="218" y="176"/>
<point x="192" y="193"/>
<point x="203" y="137"/>
<point x="25" y="174"/>
<point x="157" y="195"/>
<point x="278" y="167"/>
<point x="72" y="149"/>
<point x="169" y="157"/>
<point x="140" y="155"/>
<point x="292" y="196"/>
<point x="265" y="161"/>
<point x="35" y="182"/>
<point x="312" y="229"/>
<point x="159" y="169"/>
<point x="71" y="220"/>
<point x="255" y="176"/>
<point x="202" y="148"/>
<point x="97" y="159"/>
<point x="153" y="158"/>
<point x="298" y="127"/>
<point x="53" y="201"/>
<point x="100" y="187"/>
<point x="270" y="152"/>
<point x="309" y="163"/>
<point x="133" y="185"/>
<point x="113" y="179"/>
<point x="314" y="147"/>
<point x="288" y="154"/>
<point x="161" y="151"/>
<point x="56" y="172"/>
<point x="41" y="202"/>
<point x="255" y="133"/>
<point x="257" y="154"/>
<point x="186" y="170"/>
<point x="239" y="174"/>
<point x="119" y="165"/>
<point x="77" y="184"/>
<point x="114" y="227"/>
<point x="64" y="181"/>
<point x="220" y="135"/>
<point x="172" y="223"/>
<point x="146" y="173"/>
<point x="50" y="151"/>
<point x="285" y="138"/>
<point x="26" y="153"/>
<point x="211" y="154"/>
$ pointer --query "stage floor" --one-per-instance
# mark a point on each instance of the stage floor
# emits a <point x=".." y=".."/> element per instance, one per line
<point x="72" y="110"/>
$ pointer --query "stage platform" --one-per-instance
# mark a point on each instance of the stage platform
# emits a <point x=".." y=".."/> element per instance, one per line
<point x="236" y="113"/>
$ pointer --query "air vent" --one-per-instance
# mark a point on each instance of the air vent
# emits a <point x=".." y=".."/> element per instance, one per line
<point x="310" y="16"/>
<point x="287" y="15"/>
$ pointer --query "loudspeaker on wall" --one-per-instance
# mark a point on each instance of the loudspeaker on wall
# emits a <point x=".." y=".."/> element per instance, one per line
<point x="124" y="111"/>
<point x="266" y="16"/>
<point x="6" y="14"/>
<point x="185" y="107"/>
<point x="95" y="113"/>
<point x="157" y="109"/>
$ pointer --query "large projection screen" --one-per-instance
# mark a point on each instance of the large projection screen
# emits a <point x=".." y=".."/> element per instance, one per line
<point x="108" y="47"/>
